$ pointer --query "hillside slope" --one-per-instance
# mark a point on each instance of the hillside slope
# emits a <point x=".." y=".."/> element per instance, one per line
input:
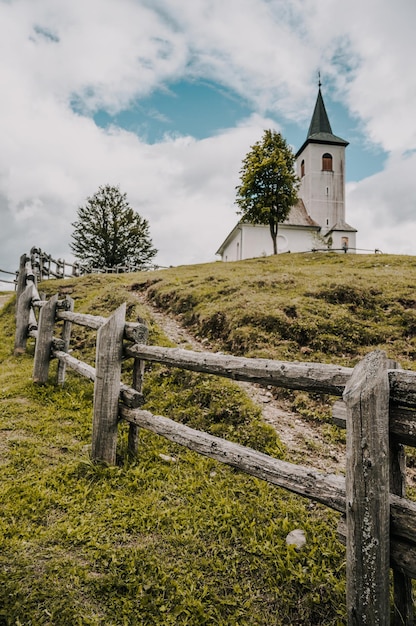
<point x="318" y="307"/>
<point x="185" y="541"/>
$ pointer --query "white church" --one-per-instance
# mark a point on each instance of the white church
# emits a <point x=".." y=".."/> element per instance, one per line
<point x="318" y="219"/>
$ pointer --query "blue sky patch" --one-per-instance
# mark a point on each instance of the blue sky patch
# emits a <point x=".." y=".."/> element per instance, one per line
<point x="202" y="109"/>
<point x="199" y="109"/>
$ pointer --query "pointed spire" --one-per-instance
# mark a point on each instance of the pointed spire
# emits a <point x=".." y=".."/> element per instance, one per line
<point x="320" y="130"/>
<point x="320" y="122"/>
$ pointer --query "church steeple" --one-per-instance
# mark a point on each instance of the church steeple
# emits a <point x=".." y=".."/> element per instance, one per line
<point x="320" y="164"/>
<point x="319" y="122"/>
<point x="320" y="130"/>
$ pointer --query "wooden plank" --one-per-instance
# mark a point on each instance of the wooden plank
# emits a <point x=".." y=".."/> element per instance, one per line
<point x="133" y="331"/>
<point x="402" y="421"/>
<point x="82" y="319"/>
<point x="315" y="377"/>
<point x="402" y="583"/>
<point x="21" y="279"/>
<point x="403" y="518"/>
<point x="403" y="559"/>
<point x="33" y="323"/>
<point x="329" y="489"/>
<point x="367" y="492"/>
<point x="44" y="341"/>
<point x="133" y="437"/>
<point x="66" y="336"/>
<point x="84" y="369"/>
<point x="107" y="387"/>
<point x="57" y="342"/>
<point x="402" y="554"/>
<point x="403" y="424"/>
<point x="22" y="319"/>
<point x="403" y="387"/>
<point x="130" y="397"/>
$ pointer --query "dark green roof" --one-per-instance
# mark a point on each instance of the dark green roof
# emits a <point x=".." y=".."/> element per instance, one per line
<point x="319" y="122"/>
<point x="320" y="130"/>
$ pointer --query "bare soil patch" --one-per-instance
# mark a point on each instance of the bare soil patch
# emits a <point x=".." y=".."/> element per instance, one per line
<point x="303" y="439"/>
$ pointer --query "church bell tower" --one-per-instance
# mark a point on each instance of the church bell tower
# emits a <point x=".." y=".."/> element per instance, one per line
<point x="320" y="164"/>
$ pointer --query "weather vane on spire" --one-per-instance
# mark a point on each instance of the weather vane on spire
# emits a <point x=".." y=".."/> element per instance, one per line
<point x="319" y="79"/>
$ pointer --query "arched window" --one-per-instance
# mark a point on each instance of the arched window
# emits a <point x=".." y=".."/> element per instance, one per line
<point x="302" y="169"/>
<point x="327" y="162"/>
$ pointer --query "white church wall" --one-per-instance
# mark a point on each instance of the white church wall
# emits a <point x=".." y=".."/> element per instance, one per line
<point x="249" y="241"/>
<point x="323" y="191"/>
<point x="299" y="240"/>
<point x="256" y="241"/>
<point x="340" y="238"/>
<point x="232" y="250"/>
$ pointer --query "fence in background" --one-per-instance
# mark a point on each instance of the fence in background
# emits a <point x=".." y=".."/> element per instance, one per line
<point x="379" y="411"/>
<point x="7" y="280"/>
<point x="44" y="267"/>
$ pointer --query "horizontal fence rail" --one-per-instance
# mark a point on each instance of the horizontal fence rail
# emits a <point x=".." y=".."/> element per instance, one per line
<point x="313" y="377"/>
<point x="45" y="267"/>
<point x="7" y="280"/>
<point x="377" y="409"/>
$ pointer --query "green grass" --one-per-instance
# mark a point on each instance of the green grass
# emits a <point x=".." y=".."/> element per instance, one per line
<point x="189" y="541"/>
<point x="316" y="307"/>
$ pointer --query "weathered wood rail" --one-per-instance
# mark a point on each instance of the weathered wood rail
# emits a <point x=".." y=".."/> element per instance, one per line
<point x="378" y="523"/>
<point x="7" y="280"/>
<point x="44" y="267"/>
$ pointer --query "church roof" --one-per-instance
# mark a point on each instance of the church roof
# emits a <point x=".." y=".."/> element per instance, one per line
<point x="299" y="216"/>
<point x="320" y="130"/>
<point x="342" y="226"/>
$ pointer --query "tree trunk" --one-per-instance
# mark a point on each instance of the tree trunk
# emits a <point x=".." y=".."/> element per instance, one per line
<point x="274" y="225"/>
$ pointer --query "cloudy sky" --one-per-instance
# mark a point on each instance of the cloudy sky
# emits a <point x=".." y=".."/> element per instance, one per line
<point x="165" y="98"/>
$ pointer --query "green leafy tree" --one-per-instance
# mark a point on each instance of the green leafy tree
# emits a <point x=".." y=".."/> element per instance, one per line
<point x="269" y="185"/>
<point x="109" y="232"/>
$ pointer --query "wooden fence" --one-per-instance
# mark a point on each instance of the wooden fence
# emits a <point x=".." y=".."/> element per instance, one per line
<point x="378" y="523"/>
<point x="45" y="267"/>
<point x="8" y="279"/>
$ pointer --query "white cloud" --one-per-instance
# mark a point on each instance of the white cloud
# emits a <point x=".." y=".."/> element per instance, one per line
<point x="57" y="56"/>
<point x="383" y="207"/>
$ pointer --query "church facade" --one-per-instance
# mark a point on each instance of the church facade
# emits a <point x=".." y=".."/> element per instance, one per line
<point x="318" y="220"/>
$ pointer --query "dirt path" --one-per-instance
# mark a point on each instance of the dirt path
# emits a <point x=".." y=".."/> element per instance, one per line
<point x="302" y="439"/>
<point x="4" y="299"/>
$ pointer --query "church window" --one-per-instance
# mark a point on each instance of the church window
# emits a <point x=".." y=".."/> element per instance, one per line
<point x="302" y="169"/>
<point x="327" y="162"/>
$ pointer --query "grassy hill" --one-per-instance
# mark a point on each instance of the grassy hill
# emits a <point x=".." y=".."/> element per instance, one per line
<point x="189" y="541"/>
<point x="314" y="307"/>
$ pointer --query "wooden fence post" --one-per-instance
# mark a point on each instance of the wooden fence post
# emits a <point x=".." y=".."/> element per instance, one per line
<point x="24" y="305"/>
<point x="66" y="336"/>
<point x="133" y="438"/>
<point x="21" y="279"/>
<point x="403" y="592"/>
<point x="107" y="387"/>
<point x="44" y="341"/>
<point x="366" y="396"/>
